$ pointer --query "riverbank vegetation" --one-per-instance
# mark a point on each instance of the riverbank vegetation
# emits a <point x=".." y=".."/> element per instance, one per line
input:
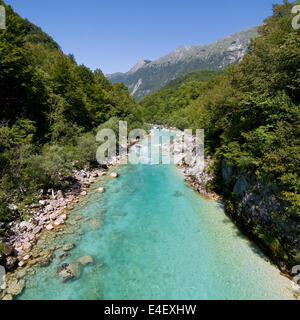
<point x="251" y="118"/>
<point x="50" y="109"/>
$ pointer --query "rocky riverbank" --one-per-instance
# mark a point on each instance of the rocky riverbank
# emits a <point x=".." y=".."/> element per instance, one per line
<point x="251" y="203"/>
<point x="198" y="175"/>
<point x="45" y="219"/>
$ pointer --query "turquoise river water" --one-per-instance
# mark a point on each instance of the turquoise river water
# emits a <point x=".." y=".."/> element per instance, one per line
<point x="158" y="239"/>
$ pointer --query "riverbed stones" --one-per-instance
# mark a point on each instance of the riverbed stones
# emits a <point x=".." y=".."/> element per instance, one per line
<point x="114" y="175"/>
<point x="44" y="260"/>
<point x="42" y="203"/>
<point x="68" y="271"/>
<point x="94" y="223"/>
<point x="64" y="255"/>
<point x="22" y="263"/>
<point x="49" y="227"/>
<point x="68" y="247"/>
<point x="11" y="263"/>
<point x="26" y="258"/>
<point x="15" y="287"/>
<point x="83" y="193"/>
<point x="63" y="217"/>
<point x="85" y="260"/>
<point x="101" y="190"/>
<point x="59" y="221"/>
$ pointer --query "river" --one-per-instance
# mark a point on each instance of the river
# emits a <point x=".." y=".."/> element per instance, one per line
<point x="152" y="237"/>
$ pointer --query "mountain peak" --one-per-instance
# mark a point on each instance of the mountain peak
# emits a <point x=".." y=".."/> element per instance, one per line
<point x="146" y="76"/>
<point x="140" y="64"/>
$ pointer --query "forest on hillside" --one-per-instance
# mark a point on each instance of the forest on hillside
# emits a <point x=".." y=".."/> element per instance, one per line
<point x="50" y="110"/>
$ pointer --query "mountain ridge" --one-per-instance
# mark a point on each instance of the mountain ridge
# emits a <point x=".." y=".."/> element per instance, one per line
<point x="147" y="76"/>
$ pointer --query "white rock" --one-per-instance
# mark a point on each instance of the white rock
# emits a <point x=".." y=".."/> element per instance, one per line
<point x="13" y="207"/>
<point x="101" y="190"/>
<point x="49" y="208"/>
<point x="114" y="175"/>
<point x="26" y="246"/>
<point x="58" y="222"/>
<point x="42" y="203"/>
<point x="83" y="193"/>
<point x="49" y="227"/>
<point x="27" y="257"/>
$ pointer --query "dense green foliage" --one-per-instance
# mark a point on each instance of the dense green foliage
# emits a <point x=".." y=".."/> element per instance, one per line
<point x="199" y="75"/>
<point x="50" y="109"/>
<point x="250" y="113"/>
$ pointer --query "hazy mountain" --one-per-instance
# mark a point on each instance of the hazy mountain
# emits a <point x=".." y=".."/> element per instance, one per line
<point x="147" y="76"/>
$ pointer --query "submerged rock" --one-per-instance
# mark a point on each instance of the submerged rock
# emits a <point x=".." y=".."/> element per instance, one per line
<point x="101" y="190"/>
<point x="68" y="271"/>
<point x="85" y="260"/>
<point x="64" y="255"/>
<point x="95" y="224"/>
<point x="68" y="247"/>
<point x="178" y="194"/>
<point x="15" y="287"/>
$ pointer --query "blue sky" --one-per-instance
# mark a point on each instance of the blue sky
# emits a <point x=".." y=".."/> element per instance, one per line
<point x="114" y="34"/>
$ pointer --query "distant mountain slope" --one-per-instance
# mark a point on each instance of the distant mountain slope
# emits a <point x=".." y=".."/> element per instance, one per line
<point x="147" y="76"/>
<point x="199" y="75"/>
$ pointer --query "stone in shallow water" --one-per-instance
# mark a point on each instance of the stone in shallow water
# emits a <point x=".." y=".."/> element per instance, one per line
<point x="49" y="227"/>
<point x="178" y="194"/>
<point x="114" y="175"/>
<point x="95" y="224"/>
<point x="68" y="247"/>
<point x="85" y="260"/>
<point x="64" y="255"/>
<point x="68" y="271"/>
<point x="101" y="190"/>
<point x="15" y="287"/>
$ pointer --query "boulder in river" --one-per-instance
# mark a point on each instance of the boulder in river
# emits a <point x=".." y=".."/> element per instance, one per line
<point x="101" y="190"/>
<point x="114" y="175"/>
<point x="68" y="271"/>
<point x="85" y="260"/>
<point x="68" y="247"/>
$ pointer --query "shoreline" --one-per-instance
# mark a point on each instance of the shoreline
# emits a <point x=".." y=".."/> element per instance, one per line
<point x="47" y="217"/>
<point x="199" y="182"/>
